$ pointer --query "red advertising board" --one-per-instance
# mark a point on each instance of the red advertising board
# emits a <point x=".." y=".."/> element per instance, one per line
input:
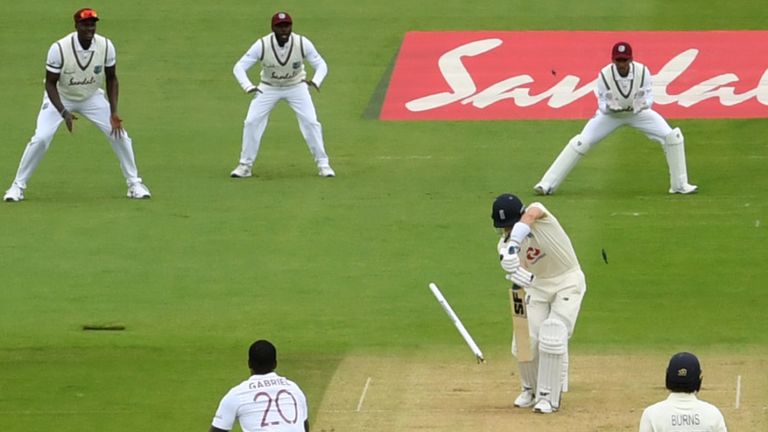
<point x="494" y="75"/>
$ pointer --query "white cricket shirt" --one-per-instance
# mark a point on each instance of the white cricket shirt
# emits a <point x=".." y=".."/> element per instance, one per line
<point x="682" y="412"/>
<point x="81" y="71"/>
<point x="547" y="251"/>
<point x="263" y="403"/>
<point x="266" y="50"/>
<point x="625" y="88"/>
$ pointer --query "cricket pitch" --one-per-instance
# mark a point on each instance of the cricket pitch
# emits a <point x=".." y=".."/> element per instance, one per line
<point x="452" y="393"/>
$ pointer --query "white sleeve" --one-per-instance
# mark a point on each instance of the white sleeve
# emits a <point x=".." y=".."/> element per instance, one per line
<point x="646" y="424"/>
<point x="111" y="55"/>
<point x="316" y="60"/>
<point x="250" y="58"/>
<point x="226" y="414"/>
<point x="647" y="87"/>
<point x="303" y="406"/>
<point x="54" y="61"/>
<point x="600" y="92"/>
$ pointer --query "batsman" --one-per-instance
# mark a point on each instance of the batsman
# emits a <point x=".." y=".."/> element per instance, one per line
<point x="537" y="255"/>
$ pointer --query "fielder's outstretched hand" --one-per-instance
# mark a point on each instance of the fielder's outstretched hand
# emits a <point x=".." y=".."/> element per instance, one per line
<point x="117" y="125"/>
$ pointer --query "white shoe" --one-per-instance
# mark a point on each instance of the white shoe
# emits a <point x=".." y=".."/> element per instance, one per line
<point x="326" y="171"/>
<point x="14" y="194"/>
<point x="138" y="191"/>
<point x="685" y="189"/>
<point x="539" y="189"/>
<point x="525" y="399"/>
<point x="241" y="171"/>
<point x="543" y="406"/>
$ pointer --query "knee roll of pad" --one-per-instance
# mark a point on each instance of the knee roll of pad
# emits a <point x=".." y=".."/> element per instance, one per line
<point x="674" y="138"/>
<point x="553" y="337"/>
<point x="577" y="145"/>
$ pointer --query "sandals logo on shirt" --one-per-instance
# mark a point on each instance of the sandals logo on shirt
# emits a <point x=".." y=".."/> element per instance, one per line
<point x="97" y="69"/>
<point x="553" y="74"/>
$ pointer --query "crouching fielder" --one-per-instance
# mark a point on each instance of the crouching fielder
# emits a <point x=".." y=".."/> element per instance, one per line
<point x="624" y="98"/>
<point x="532" y="241"/>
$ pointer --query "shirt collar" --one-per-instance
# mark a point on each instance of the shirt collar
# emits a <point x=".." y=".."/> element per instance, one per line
<point x="630" y="75"/>
<point x="681" y="396"/>
<point x="79" y="47"/>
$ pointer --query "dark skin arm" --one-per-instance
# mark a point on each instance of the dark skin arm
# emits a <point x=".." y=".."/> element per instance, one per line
<point x="113" y="93"/>
<point x="53" y="94"/>
<point x="215" y="429"/>
<point x="312" y="84"/>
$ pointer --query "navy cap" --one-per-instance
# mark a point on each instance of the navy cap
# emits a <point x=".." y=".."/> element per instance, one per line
<point x="684" y="373"/>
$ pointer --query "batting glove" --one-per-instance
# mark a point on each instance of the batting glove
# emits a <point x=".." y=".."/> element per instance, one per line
<point x="510" y="261"/>
<point x="521" y="277"/>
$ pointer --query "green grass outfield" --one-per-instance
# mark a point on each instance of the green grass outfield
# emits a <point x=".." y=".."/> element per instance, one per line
<point x="324" y="267"/>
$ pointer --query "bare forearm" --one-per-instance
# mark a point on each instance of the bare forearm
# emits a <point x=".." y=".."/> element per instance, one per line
<point x="113" y="91"/>
<point x="53" y="95"/>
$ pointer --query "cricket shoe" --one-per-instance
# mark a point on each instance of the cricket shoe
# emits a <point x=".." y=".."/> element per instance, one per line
<point x="525" y="399"/>
<point x="14" y="194"/>
<point x="685" y="189"/>
<point x="138" y="191"/>
<point x="543" y="406"/>
<point x="241" y="171"/>
<point x="326" y="171"/>
<point x="539" y="189"/>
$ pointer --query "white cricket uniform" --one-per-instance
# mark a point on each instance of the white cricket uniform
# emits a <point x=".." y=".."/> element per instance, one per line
<point x="622" y="101"/>
<point x="81" y="76"/>
<point x="682" y="412"/>
<point x="281" y="79"/>
<point x="263" y="403"/>
<point x="625" y="91"/>
<point x="559" y="286"/>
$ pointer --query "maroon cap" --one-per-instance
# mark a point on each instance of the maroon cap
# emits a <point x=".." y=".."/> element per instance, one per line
<point x="280" y="18"/>
<point x="86" y="14"/>
<point x="622" y="50"/>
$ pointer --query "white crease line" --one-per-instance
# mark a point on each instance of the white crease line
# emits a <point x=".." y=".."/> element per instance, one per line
<point x="362" y="396"/>
<point x="757" y="223"/>
<point x="738" y="391"/>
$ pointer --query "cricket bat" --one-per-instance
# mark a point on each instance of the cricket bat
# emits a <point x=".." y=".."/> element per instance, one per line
<point x="520" y="323"/>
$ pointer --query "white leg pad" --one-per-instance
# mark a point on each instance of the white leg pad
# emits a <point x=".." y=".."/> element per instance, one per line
<point x="562" y="166"/>
<point x="565" y="372"/>
<point x="553" y="345"/>
<point x="674" y="150"/>
<point x="528" y="373"/>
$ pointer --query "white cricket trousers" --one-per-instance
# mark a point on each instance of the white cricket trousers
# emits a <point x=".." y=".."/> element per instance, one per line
<point x="96" y="110"/>
<point x="649" y="122"/>
<point x="559" y="297"/>
<point x="263" y="103"/>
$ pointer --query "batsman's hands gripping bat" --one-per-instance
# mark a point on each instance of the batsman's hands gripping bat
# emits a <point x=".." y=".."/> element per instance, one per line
<point x="117" y="125"/>
<point x="521" y="277"/>
<point x="508" y="255"/>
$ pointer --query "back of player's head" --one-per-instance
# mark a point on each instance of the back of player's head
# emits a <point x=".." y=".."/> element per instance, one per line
<point x="262" y="356"/>
<point x="684" y="373"/>
<point x="507" y="210"/>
